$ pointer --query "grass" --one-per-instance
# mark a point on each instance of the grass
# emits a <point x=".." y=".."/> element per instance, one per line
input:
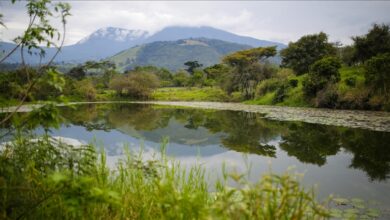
<point x="42" y="180"/>
<point x="190" y="94"/>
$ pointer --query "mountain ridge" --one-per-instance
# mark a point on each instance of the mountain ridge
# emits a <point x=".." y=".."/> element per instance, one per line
<point x="108" y="41"/>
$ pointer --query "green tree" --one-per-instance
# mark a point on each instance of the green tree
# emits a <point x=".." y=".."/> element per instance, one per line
<point x="308" y="49"/>
<point x="39" y="31"/>
<point x="375" y="42"/>
<point x="181" y="78"/>
<point x="322" y="73"/>
<point x="136" y="85"/>
<point x="378" y="73"/>
<point x="192" y="65"/>
<point x="248" y="68"/>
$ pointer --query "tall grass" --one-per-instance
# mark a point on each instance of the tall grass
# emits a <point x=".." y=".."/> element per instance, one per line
<point x="44" y="179"/>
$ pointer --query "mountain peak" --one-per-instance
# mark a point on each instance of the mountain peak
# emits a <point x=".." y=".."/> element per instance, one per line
<point x="115" y="34"/>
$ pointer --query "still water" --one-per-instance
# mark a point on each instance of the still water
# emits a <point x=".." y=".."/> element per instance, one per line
<point x="338" y="160"/>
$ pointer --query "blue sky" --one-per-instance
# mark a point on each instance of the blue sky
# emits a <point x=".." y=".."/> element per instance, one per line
<point x="282" y="21"/>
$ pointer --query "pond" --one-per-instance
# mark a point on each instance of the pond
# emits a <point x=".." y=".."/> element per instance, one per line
<point x="348" y="162"/>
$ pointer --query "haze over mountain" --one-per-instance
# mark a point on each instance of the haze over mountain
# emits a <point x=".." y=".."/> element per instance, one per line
<point x="108" y="41"/>
<point x="173" y="54"/>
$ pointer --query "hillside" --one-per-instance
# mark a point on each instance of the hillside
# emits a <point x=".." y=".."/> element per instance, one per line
<point x="106" y="42"/>
<point x="173" y="54"/>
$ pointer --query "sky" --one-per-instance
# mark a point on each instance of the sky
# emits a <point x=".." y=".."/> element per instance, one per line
<point x="281" y="21"/>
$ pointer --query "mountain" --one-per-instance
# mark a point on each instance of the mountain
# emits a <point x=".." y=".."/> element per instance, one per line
<point x="108" y="41"/>
<point x="178" y="32"/>
<point x="173" y="54"/>
<point x="100" y="44"/>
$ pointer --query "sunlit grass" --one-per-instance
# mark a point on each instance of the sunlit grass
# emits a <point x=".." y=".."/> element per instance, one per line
<point x="190" y="94"/>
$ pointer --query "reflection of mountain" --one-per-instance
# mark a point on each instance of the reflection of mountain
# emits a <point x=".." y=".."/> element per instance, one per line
<point x="241" y="132"/>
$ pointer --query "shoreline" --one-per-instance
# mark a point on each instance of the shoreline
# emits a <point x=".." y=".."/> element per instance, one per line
<point x="371" y="120"/>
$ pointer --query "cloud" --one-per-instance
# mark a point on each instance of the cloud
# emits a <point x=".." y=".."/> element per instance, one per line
<point x="279" y="21"/>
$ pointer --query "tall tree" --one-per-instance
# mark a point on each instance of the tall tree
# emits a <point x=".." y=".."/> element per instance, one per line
<point x="248" y="68"/>
<point x="192" y="65"/>
<point x="375" y="42"/>
<point x="308" y="49"/>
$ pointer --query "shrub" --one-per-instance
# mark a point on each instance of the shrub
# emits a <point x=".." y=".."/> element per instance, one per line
<point x="293" y="83"/>
<point x="378" y="73"/>
<point x="135" y="85"/>
<point x="327" y="97"/>
<point x="350" y="81"/>
<point x="322" y="73"/>
<point x="85" y="89"/>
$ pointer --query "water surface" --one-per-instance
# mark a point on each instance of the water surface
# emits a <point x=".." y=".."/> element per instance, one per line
<point x="343" y="161"/>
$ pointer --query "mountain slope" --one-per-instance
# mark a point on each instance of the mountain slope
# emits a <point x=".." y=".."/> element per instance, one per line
<point x="108" y="41"/>
<point x="178" y="32"/>
<point x="173" y="54"/>
<point x="100" y="44"/>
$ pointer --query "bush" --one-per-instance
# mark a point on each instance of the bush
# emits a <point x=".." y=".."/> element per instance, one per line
<point x="378" y="73"/>
<point x="322" y="73"/>
<point x="293" y="83"/>
<point x="350" y="81"/>
<point x="327" y="97"/>
<point x="85" y="89"/>
<point x="135" y="85"/>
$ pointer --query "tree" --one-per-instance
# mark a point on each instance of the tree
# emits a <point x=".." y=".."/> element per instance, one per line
<point x="77" y="72"/>
<point x="192" y="65"/>
<point x="39" y="32"/>
<point x="378" y="73"/>
<point x="322" y="73"/>
<point x="308" y="49"/>
<point x="136" y="85"/>
<point x="248" y="68"/>
<point x="375" y="42"/>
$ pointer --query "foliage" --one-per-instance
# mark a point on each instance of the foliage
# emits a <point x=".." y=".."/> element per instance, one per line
<point x="322" y="73"/>
<point x="308" y="49"/>
<point x="46" y="180"/>
<point x="247" y="69"/>
<point x="85" y="89"/>
<point x="192" y="65"/>
<point x="378" y="73"/>
<point x="181" y="78"/>
<point x="135" y="85"/>
<point x="190" y="94"/>
<point x="375" y="42"/>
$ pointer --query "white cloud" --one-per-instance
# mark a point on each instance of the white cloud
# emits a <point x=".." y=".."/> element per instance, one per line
<point x="279" y="21"/>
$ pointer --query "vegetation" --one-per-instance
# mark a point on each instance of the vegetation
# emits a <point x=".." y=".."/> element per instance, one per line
<point x="308" y="49"/>
<point x="47" y="180"/>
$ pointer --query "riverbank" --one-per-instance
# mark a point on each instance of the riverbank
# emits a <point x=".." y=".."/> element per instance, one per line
<point x="371" y="120"/>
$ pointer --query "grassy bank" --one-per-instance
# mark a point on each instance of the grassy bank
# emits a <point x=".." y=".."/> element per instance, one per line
<point x="41" y="180"/>
<point x="190" y="94"/>
<point x="45" y="179"/>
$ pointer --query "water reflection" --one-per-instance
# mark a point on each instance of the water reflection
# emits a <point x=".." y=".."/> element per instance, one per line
<point x="240" y="132"/>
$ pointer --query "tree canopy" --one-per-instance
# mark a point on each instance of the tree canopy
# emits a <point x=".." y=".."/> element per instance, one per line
<point x="375" y="42"/>
<point x="308" y="49"/>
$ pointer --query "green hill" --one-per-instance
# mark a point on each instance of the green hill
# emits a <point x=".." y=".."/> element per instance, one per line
<point x="173" y="54"/>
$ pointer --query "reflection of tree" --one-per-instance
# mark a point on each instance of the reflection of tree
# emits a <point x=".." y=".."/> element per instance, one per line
<point x="89" y="116"/>
<point x="140" y="117"/>
<point x="245" y="131"/>
<point x="371" y="152"/>
<point x="310" y="143"/>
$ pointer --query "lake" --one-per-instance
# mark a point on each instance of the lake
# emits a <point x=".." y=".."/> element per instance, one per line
<point x="348" y="162"/>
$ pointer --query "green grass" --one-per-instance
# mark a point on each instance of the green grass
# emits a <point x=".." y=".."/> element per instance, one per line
<point x="41" y="180"/>
<point x="190" y="94"/>
<point x="44" y="180"/>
